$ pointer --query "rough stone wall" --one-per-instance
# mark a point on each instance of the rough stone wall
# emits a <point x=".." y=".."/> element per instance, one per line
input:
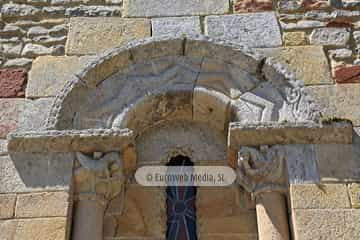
<point x="44" y="42"/>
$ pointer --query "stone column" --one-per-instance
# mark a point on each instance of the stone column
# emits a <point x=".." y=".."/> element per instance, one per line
<point x="97" y="179"/>
<point x="260" y="172"/>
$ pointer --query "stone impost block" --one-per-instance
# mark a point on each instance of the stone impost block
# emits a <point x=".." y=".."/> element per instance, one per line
<point x="338" y="101"/>
<point x="49" y="74"/>
<point x="241" y="134"/>
<point x="309" y="63"/>
<point x="91" y="140"/>
<point x="335" y="37"/>
<point x="96" y="35"/>
<point x="251" y="29"/>
<point x="47" y="204"/>
<point x="7" y="206"/>
<point x="42" y="228"/>
<point x="9" y="115"/>
<point x="322" y="196"/>
<point x="338" y="162"/>
<point x="354" y="192"/>
<point x="12" y="82"/>
<point x="326" y="224"/>
<point x="158" y="8"/>
<point x="175" y="26"/>
<point x="35" y="172"/>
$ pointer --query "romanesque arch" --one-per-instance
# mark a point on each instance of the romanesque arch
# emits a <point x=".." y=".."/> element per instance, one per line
<point x="108" y="112"/>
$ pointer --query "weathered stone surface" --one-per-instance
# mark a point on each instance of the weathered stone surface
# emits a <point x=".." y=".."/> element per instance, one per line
<point x="288" y="5"/>
<point x="93" y="11"/>
<point x="7" y="206"/>
<point x="347" y="74"/>
<point x="315" y="4"/>
<point x="159" y="8"/>
<point x="34" y="50"/>
<point x="309" y="63"/>
<point x="95" y="35"/>
<point x="211" y="107"/>
<point x="251" y="29"/>
<point x="338" y="162"/>
<point x="175" y="26"/>
<point x="326" y="224"/>
<point x="11" y="49"/>
<point x="47" y="204"/>
<point x="354" y="192"/>
<point x="9" y="115"/>
<point x="36" y="31"/>
<point x="225" y="78"/>
<point x="333" y="37"/>
<point x="18" y="10"/>
<point x="338" y="101"/>
<point x="321" y="196"/>
<point x="12" y="82"/>
<point x="226" y="210"/>
<point x="339" y="54"/>
<point x="34" y="114"/>
<point x="35" y="172"/>
<point x="3" y="147"/>
<point x="71" y="141"/>
<point x="301" y="164"/>
<point x="302" y="24"/>
<point x="44" y="229"/>
<point x="294" y="38"/>
<point x="240" y="6"/>
<point x="49" y="74"/>
<point x="254" y="134"/>
<point x="18" y="63"/>
<point x="141" y="215"/>
<point x="162" y="142"/>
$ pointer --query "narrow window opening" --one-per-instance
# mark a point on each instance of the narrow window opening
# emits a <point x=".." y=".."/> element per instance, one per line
<point x="181" y="209"/>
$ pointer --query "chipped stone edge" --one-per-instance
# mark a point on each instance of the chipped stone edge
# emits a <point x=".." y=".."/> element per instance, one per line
<point x="254" y="134"/>
<point x="119" y="58"/>
<point x="70" y="140"/>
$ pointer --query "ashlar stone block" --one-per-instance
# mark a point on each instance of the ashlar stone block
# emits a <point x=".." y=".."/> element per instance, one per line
<point x="335" y="37"/>
<point x="309" y="63"/>
<point x="251" y="29"/>
<point x="319" y="196"/>
<point x="96" y="35"/>
<point x="7" y="206"/>
<point x="159" y="8"/>
<point x="175" y="26"/>
<point x="354" y="192"/>
<point x="49" y="74"/>
<point x="46" y="204"/>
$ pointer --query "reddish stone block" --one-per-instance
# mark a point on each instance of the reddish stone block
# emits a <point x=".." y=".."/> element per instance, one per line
<point x="12" y="83"/>
<point x="9" y="115"/>
<point x="252" y="5"/>
<point x="340" y="24"/>
<point x="315" y="4"/>
<point x="347" y="74"/>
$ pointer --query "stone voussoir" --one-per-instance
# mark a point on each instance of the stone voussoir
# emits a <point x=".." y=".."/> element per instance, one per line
<point x="241" y="134"/>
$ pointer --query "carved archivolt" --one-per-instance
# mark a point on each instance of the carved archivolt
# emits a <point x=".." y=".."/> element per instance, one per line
<point x="261" y="170"/>
<point x="159" y="84"/>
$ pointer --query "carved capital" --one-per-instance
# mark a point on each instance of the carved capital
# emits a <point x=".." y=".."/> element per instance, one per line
<point x="99" y="174"/>
<point x="261" y="170"/>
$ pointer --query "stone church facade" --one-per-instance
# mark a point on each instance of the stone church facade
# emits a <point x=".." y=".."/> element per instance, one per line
<point x="93" y="90"/>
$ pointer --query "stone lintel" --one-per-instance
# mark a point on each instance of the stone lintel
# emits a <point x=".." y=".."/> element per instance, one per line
<point x="90" y="140"/>
<point x="245" y="134"/>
